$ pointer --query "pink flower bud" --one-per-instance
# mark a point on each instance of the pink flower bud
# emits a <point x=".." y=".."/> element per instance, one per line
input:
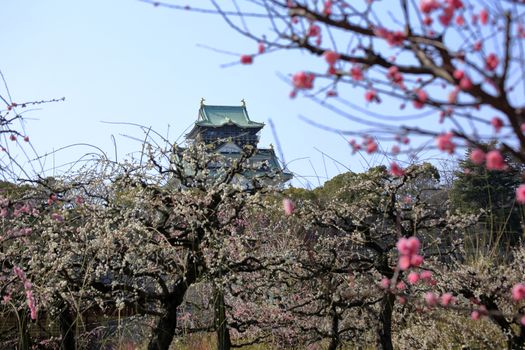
<point x="261" y="48"/>
<point x="246" y="59"/>
<point x="371" y="96"/>
<point x="497" y="123"/>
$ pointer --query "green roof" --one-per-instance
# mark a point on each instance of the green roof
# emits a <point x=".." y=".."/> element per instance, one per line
<point x="215" y="116"/>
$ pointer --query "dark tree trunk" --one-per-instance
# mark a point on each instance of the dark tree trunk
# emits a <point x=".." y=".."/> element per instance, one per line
<point x="66" y="324"/>
<point x="518" y="342"/>
<point x="24" y="341"/>
<point x="384" y="329"/>
<point x="163" y="333"/>
<point x="334" y="340"/>
<point x="221" y="325"/>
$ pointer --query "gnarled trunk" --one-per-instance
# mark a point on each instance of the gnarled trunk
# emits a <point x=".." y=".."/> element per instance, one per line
<point x="221" y="325"/>
<point x="66" y="324"/>
<point x="384" y="329"/>
<point x="334" y="340"/>
<point x="163" y="333"/>
<point x="24" y="340"/>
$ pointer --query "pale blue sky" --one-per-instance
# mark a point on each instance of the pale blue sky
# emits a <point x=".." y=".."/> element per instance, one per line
<point x="126" y="61"/>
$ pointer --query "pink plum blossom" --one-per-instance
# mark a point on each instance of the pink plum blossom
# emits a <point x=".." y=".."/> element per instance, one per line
<point x="484" y="16"/>
<point x="404" y="262"/>
<point x="401" y="285"/>
<point x="408" y="246"/>
<point x="477" y="156"/>
<point x="491" y="62"/>
<point x="445" y="144"/>
<point x="246" y="59"/>
<point x="356" y="73"/>
<point x="394" y="38"/>
<point x="303" y="80"/>
<point x="465" y="83"/>
<point x="446" y="299"/>
<point x="421" y="98"/>
<point x="331" y="57"/>
<point x="495" y="161"/>
<point x="426" y="275"/>
<point x="416" y="260"/>
<point x="261" y="48"/>
<point x="518" y="292"/>
<point x="371" y="96"/>
<point x="520" y="194"/>
<point x="475" y="315"/>
<point x="314" y="30"/>
<point x="427" y="6"/>
<point x="413" y="277"/>
<point x="477" y="46"/>
<point x="431" y="299"/>
<point x="396" y="170"/>
<point x="455" y="4"/>
<point x="459" y="74"/>
<point x="288" y="206"/>
<point x="371" y="146"/>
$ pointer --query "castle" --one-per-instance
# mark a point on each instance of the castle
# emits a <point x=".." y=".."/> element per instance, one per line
<point x="227" y="129"/>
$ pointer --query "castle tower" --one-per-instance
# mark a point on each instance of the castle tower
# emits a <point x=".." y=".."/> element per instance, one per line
<point x="228" y="129"/>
